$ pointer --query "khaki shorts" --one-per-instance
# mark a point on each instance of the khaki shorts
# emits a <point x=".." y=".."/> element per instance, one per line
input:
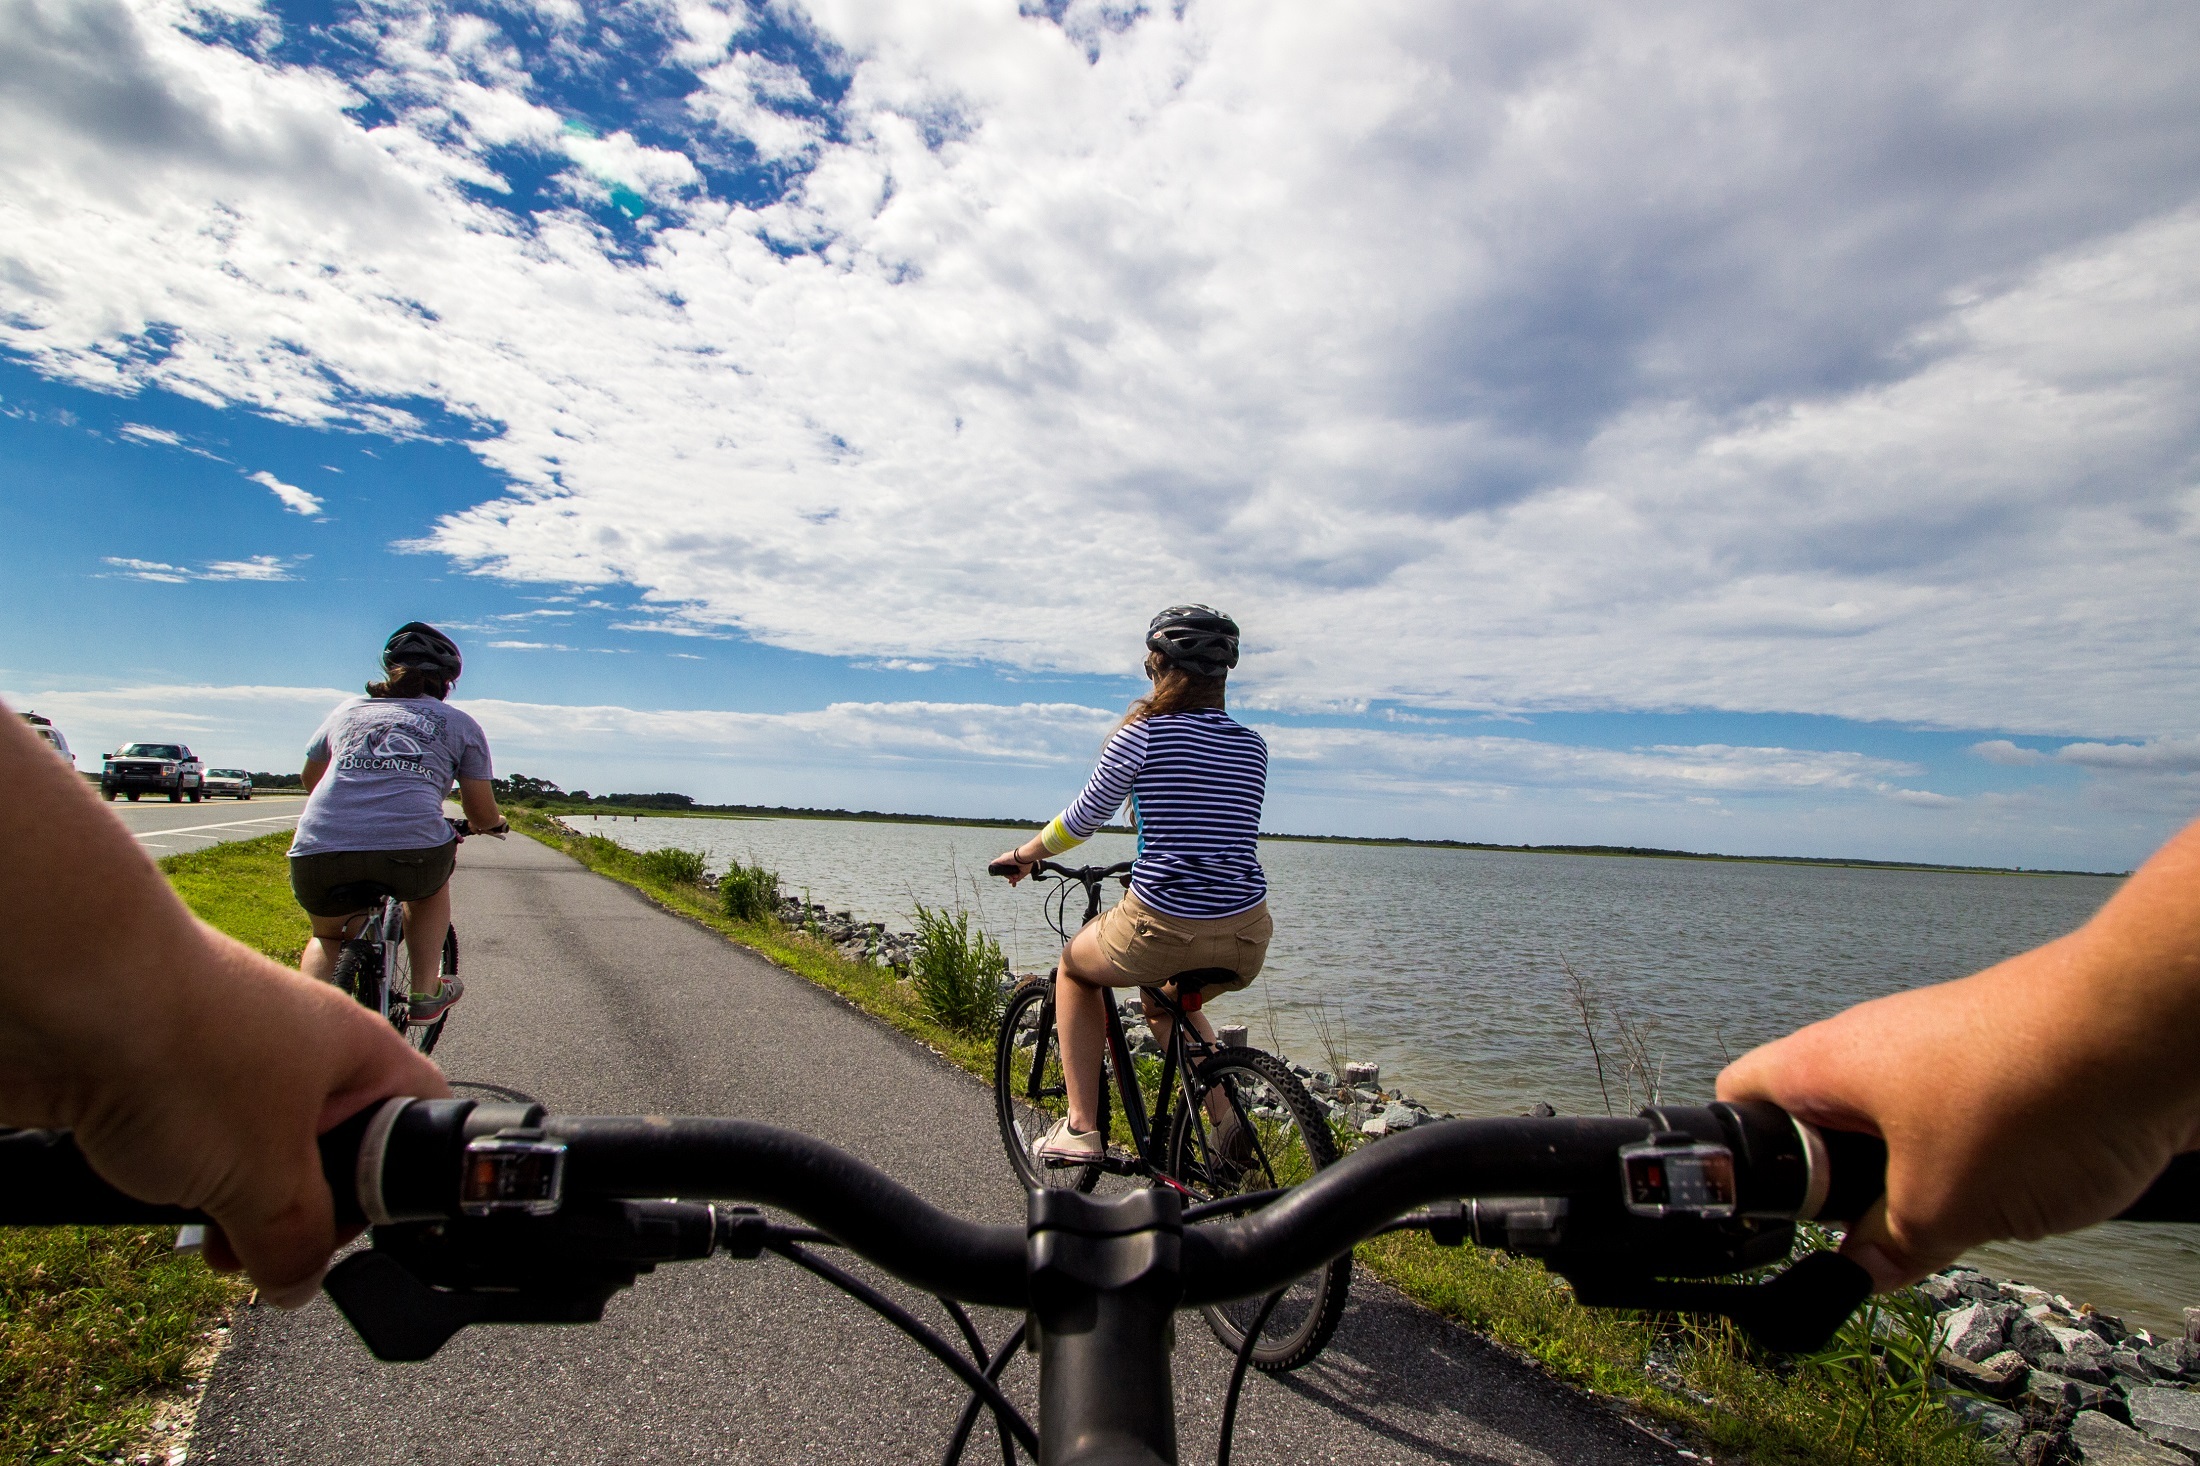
<point x="337" y="882"/>
<point x="1153" y="947"/>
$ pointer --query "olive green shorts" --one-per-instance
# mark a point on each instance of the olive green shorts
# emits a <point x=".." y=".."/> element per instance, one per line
<point x="341" y="882"/>
<point x="1152" y="946"/>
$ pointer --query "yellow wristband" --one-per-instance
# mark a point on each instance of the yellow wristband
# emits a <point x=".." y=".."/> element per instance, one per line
<point x="1056" y="838"/>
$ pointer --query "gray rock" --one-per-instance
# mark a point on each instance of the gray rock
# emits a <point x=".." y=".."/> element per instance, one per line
<point x="2081" y="1344"/>
<point x="1977" y="1330"/>
<point x="2029" y="1337"/>
<point x="2000" y="1377"/>
<point x="1368" y="1096"/>
<point x="1359" y="1074"/>
<point x="1992" y="1421"/>
<point x="2125" y="1364"/>
<point x="2169" y="1416"/>
<point x="1375" y="1128"/>
<point x="2175" y="1359"/>
<point x="2100" y="1441"/>
<point x="1398" y="1117"/>
<point x="2037" y="1448"/>
<point x="2045" y="1392"/>
<point x="1942" y="1290"/>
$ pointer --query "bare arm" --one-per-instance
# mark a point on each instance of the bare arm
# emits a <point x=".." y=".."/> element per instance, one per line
<point x="479" y="799"/>
<point x="193" y="1070"/>
<point x="2038" y="1096"/>
<point x="315" y="770"/>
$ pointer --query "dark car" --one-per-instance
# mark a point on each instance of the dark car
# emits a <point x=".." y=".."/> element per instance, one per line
<point x="153" y="768"/>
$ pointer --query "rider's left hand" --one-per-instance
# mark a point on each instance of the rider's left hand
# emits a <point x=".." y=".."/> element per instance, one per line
<point x="1015" y="858"/>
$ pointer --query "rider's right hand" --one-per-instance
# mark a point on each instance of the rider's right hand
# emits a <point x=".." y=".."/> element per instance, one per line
<point x="2036" y="1097"/>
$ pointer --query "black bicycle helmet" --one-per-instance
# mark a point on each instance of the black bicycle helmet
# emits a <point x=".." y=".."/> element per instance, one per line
<point x="421" y="647"/>
<point x="1199" y="639"/>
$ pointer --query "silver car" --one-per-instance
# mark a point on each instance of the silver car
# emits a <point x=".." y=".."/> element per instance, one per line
<point x="233" y="782"/>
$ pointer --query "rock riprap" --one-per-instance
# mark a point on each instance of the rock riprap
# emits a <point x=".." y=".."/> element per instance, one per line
<point x="2073" y="1383"/>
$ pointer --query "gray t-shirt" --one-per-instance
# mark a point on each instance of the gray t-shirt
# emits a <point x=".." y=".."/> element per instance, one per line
<point x="391" y="760"/>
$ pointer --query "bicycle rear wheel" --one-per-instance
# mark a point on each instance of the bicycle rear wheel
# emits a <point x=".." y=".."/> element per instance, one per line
<point x="1030" y="1093"/>
<point x="359" y="972"/>
<point x="1282" y="1138"/>
<point x="425" y="1036"/>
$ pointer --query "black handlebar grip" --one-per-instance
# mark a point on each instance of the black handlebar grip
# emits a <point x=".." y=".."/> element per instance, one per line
<point x="1003" y="868"/>
<point x="1856" y="1167"/>
<point x="46" y="1182"/>
<point x="2174" y="1196"/>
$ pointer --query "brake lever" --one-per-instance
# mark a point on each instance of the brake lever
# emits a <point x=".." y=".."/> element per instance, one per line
<point x="1794" y="1312"/>
<point x="422" y="1282"/>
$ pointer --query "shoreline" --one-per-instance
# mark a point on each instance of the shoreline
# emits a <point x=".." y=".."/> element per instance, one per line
<point x="563" y="810"/>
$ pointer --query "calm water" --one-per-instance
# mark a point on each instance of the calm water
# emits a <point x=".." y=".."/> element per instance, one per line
<point x="1449" y="968"/>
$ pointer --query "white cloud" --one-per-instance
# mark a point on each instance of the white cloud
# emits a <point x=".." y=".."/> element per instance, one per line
<point x="256" y="567"/>
<point x="146" y="434"/>
<point x="295" y="499"/>
<point x="2001" y="751"/>
<point x="1585" y="356"/>
<point x="2162" y="756"/>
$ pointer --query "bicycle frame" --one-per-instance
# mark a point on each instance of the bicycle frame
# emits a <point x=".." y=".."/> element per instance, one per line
<point x="1149" y="1134"/>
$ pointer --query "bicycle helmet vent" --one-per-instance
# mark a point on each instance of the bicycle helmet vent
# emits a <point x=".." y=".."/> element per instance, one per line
<point x="1199" y="639"/>
<point x="420" y="646"/>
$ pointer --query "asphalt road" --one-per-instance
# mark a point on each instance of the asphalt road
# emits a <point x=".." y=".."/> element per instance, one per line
<point x="585" y="996"/>
<point x="170" y="829"/>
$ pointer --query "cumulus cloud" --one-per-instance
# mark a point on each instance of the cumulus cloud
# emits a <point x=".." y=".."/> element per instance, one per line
<point x="2001" y="751"/>
<point x="144" y="434"/>
<point x="1844" y="362"/>
<point x="293" y="498"/>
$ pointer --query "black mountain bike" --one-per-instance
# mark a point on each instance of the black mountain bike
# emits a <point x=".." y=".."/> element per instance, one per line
<point x="1228" y="1124"/>
<point x="375" y="966"/>
<point x="500" y="1213"/>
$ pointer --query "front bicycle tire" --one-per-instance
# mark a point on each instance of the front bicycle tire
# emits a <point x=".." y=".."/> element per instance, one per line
<point x="425" y="1036"/>
<point x="1288" y="1141"/>
<point x="1030" y="1092"/>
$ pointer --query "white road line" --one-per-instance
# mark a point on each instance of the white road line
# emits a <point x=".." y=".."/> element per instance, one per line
<point x="273" y="819"/>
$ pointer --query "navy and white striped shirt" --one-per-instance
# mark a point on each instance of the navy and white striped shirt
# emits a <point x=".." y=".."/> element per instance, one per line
<point x="1195" y="781"/>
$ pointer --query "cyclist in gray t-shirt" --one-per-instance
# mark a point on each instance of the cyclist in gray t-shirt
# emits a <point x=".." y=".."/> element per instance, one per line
<point x="377" y="772"/>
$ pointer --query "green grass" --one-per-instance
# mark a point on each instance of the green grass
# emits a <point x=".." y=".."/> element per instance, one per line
<point x="98" y="1324"/>
<point x="1862" y="1402"/>
<point x="95" y="1324"/>
<point x="243" y="888"/>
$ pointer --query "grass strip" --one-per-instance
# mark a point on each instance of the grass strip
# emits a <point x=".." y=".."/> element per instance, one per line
<point x="101" y="1326"/>
<point x="1868" y="1400"/>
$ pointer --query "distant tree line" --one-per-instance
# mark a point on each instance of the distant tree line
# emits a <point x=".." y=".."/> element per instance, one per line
<point x="277" y="781"/>
<point x="526" y="789"/>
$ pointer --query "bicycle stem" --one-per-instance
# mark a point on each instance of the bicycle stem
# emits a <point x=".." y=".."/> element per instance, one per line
<point x="1106" y="1277"/>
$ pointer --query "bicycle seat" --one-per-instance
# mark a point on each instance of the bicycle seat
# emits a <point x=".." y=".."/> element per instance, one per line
<point x="1192" y="983"/>
<point x="357" y="896"/>
<point x="1199" y="978"/>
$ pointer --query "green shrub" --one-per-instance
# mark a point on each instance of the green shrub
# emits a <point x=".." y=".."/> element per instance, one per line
<point x="957" y="971"/>
<point x="674" y="866"/>
<point x="749" y="892"/>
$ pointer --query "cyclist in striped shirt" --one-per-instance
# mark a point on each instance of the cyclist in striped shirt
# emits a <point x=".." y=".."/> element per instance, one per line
<point x="1195" y="778"/>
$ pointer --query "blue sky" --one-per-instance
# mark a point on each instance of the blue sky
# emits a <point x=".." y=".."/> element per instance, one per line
<point x="1772" y="434"/>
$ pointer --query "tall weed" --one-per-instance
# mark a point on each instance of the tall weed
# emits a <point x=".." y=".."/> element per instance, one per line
<point x="749" y="892"/>
<point x="674" y="866"/>
<point x="957" y="970"/>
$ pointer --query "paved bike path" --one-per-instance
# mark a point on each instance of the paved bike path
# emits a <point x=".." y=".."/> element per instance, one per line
<point x="584" y="995"/>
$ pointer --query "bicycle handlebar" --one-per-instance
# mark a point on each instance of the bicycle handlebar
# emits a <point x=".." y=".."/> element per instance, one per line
<point x="501" y="1213"/>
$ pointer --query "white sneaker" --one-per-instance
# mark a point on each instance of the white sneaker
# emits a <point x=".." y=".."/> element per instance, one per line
<point x="1060" y="1143"/>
